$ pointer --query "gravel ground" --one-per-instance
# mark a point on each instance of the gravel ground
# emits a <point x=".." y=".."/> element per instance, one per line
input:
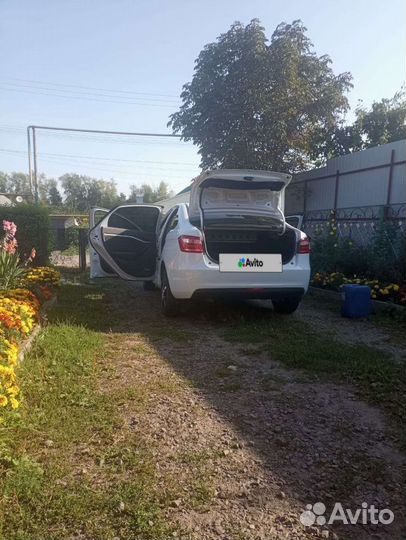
<point x="326" y="317"/>
<point x="241" y="444"/>
<point x="58" y="258"/>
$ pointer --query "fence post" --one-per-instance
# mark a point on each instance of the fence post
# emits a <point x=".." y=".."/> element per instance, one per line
<point x="305" y="198"/>
<point x="390" y="181"/>
<point x="82" y="249"/>
<point x="336" y="189"/>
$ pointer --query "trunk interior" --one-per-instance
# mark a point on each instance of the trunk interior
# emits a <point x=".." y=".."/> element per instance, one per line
<point x="250" y="241"/>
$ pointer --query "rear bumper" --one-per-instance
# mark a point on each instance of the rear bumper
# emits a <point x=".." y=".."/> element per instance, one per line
<point x="246" y="294"/>
<point x="196" y="276"/>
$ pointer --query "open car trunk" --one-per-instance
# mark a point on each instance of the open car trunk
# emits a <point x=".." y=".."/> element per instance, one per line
<point x="234" y="240"/>
<point x="241" y="211"/>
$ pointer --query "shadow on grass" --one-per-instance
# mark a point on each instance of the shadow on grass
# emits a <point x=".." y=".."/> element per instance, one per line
<point x="253" y="398"/>
<point x="114" y="306"/>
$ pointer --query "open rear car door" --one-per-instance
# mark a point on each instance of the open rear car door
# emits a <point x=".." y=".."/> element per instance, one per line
<point x="124" y="241"/>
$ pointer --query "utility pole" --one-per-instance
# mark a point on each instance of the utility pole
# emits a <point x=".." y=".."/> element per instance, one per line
<point x="34" y="148"/>
<point x="29" y="158"/>
<point x="33" y="172"/>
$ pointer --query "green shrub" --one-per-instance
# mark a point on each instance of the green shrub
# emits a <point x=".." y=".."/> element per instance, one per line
<point x="11" y="271"/>
<point x="386" y="258"/>
<point x="32" y="229"/>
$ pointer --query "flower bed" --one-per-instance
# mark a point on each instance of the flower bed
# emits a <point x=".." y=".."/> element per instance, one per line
<point x="19" y="314"/>
<point x="388" y="292"/>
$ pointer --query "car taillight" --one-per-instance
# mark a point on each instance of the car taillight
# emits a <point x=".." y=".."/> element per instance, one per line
<point x="190" y="244"/>
<point x="304" y="245"/>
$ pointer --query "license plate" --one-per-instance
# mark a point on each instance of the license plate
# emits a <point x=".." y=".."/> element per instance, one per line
<point x="235" y="262"/>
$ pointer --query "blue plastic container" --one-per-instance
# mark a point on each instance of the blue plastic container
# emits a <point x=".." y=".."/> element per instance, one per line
<point x="355" y="301"/>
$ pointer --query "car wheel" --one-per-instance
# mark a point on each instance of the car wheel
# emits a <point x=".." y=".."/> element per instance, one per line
<point x="149" y="286"/>
<point x="286" y="305"/>
<point x="170" y="306"/>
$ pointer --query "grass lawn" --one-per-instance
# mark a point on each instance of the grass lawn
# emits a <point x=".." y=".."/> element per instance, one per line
<point x="72" y="464"/>
<point x="66" y="419"/>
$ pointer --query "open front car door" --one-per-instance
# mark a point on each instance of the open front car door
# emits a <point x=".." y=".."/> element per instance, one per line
<point x="125" y="241"/>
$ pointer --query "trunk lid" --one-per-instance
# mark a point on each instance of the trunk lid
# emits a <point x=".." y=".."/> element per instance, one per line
<point x="247" y="198"/>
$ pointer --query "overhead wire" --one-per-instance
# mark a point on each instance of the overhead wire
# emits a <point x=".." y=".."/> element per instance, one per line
<point x="90" y="165"/>
<point x="33" y="91"/>
<point x="172" y="96"/>
<point x="81" y="157"/>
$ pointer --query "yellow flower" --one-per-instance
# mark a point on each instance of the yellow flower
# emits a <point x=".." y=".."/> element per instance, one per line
<point x="13" y="390"/>
<point x="14" y="403"/>
<point x="3" y="400"/>
<point x="7" y="373"/>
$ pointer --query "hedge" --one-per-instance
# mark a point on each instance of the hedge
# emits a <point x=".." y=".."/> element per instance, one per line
<point x="32" y="229"/>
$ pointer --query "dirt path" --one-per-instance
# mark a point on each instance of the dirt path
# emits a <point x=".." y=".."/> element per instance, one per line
<point x="240" y="444"/>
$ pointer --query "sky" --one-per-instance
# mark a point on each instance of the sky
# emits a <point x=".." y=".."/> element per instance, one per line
<point x="120" y="65"/>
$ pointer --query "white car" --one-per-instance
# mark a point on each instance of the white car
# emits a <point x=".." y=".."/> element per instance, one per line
<point x="230" y="240"/>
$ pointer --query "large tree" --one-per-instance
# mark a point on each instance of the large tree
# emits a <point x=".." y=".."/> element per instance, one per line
<point x="259" y="104"/>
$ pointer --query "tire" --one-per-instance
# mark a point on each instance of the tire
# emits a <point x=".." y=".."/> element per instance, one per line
<point x="286" y="305"/>
<point x="170" y="306"/>
<point x="149" y="286"/>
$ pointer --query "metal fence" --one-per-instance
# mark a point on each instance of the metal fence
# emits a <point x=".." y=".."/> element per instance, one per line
<point x="373" y="177"/>
<point x="359" y="224"/>
<point x="361" y="190"/>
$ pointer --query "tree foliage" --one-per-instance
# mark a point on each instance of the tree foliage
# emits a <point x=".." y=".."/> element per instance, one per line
<point x="382" y="123"/>
<point x="15" y="182"/>
<point x="82" y="192"/>
<point x="150" y="195"/>
<point x="49" y="192"/>
<point x="254" y="104"/>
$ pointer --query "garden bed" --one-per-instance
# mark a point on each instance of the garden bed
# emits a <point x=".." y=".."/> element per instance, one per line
<point x="26" y="345"/>
<point x="335" y="296"/>
<point x="22" y="311"/>
<point x="387" y="293"/>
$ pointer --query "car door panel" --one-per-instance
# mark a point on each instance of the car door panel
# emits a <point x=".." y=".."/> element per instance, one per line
<point x="125" y="241"/>
<point x="133" y="251"/>
<point x="98" y="267"/>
